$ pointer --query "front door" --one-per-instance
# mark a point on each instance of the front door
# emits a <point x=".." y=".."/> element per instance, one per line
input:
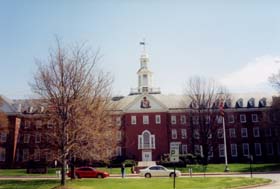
<point x="146" y="156"/>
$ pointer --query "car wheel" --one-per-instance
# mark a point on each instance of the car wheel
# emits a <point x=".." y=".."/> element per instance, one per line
<point x="172" y="175"/>
<point x="99" y="176"/>
<point x="148" y="175"/>
<point x="77" y="176"/>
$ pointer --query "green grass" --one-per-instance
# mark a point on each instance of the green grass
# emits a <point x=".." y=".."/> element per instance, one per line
<point x="22" y="172"/>
<point x="154" y="183"/>
<point x="235" y="167"/>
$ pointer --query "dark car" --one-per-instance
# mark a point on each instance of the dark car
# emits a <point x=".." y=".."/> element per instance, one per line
<point x="88" y="172"/>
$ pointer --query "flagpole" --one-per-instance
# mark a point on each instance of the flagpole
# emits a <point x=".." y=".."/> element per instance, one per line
<point x="225" y="145"/>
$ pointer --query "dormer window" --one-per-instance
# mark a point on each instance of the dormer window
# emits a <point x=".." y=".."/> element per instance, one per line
<point x="262" y="103"/>
<point x="239" y="103"/>
<point x="227" y="103"/>
<point x="251" y="103"/>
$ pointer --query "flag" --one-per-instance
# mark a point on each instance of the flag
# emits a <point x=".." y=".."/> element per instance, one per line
<point x="142" y="43"/>
<point x="221" y="108"/>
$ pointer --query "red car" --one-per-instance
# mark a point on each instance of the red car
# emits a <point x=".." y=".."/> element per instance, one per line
<point x="88" y="172"/>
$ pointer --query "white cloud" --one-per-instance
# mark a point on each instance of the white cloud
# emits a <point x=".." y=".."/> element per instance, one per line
<point x="254" y="75"/>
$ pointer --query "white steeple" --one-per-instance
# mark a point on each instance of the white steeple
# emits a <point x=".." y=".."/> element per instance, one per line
<point x="144" y="74"/>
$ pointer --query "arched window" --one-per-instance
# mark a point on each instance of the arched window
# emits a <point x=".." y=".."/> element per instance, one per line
<point x="146" y="140"/>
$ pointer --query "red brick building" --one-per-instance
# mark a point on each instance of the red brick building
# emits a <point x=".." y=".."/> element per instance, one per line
<point x="149" y="123"/>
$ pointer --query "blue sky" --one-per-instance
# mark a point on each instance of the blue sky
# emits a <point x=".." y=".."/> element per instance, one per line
<point x="234" y="42"/>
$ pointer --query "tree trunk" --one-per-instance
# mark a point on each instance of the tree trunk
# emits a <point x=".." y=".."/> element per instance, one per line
<point x="63" y="159"/>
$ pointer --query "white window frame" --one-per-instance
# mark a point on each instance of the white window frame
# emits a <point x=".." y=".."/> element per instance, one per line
<point x="158" y="119"/>
<point x="119" y="151"/>
<point x="49" y="124"/>
<point x="255" y="118"/>
<point x="118" y="121"/>
<point x="174" y="133"/>
<point x="25" y="154"/>
<point x="256" y="132"/>
<point x="151" y="145"/>
<point x="231" y="118"/>
<point x="196" y="134"/>
<point x="27" y="124"/>
<point x="219" y="119"/>
<point x="38" y="124"/>
<point x="183" y="133"/>
<point x="232" y="133"/>
<point x="38" y="138"/>
<point x="119" y="135"/>
<point x="243" y="118"/>
<point x="37" y="154"/>
<point x="269" y="146"/>
<point x="173" y="120"/>
<point x="3" y="136"/>
<point x="233" y="149"/>
<point x="133" y="120"/>
<point x="207" y="119"/>
<point x="26" y="138"/>
<point x="220" y="133"/>
<point x="184" y="149"/>
<point x="221" y="150"/>
<point x="195" y="120"/>
<point x="145" y="120"/>
<point x="183" y="119"/>
<point x="259" y="146"/>
<point x="244" y="132"/>
<point x="243" y="149"/>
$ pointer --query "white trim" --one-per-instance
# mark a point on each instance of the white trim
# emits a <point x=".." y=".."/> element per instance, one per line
<point x="232" y="148"/>
<point x="260" y="149"/>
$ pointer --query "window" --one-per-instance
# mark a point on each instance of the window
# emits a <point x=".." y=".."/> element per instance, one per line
<point x="25" y="154"/>
<point x="3" y="136"/>
<point x="146" y="140"/>
<point x="174" y="133"/>
<point x="173" y="120"/>
<point x="119" y="151"/>
<point x="27" y="124"/>
<point x="255" y="118"/>
<point x="119" y="136"/>
<point x="258" y="149"/>
<point x="197" y="149"/>
<point x="158" y="119"/>
<point x="145" y="119"/>
<point x="183" y="119"/>
<point x="195" y="120"/>
<point x="49" y="124"/>
<point x="196" y="134"/>
<point x="38" y="138"/>
<point x="184" y="149"/>
<point x="268" y="132"/>
<point x="37" y="155"/>
<point x="38" y="124"/>
<point x="2" y="154"/>
<point x="133" y="120"/>
<point x="231" y="118"/>
<point x="221" y="150"/>
<point x="210" y="152"/>
<point x="278" y="148"/>
<point x="242" y="118"/>
<point x="220" y="133"/>
<point x="232" y="133"/>
<point x="118" y="121"/>
<point x="233" y="148"/>
<point x="244" y="132"/>
<point x="26" y="138"/>
<point x="219" y="119"/>
<point x="207" y="119"/>
<point x="184" y="133"/>
<point x="269" y="149"/>
<point x="245" y="147"/>
<point x="256" y="132"/>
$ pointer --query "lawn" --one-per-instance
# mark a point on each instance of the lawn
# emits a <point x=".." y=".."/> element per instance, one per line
<point x="235" y="167"/>
<point x="136" y="183"/>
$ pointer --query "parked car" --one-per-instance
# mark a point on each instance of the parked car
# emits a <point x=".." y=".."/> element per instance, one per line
<point x="88" y="172"/>
<point x="158" y="171"/>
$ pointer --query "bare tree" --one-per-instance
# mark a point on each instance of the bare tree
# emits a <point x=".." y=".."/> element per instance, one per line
<point x="78" y="98"/>
<point x="206" y="100"/>
<point x="3" y="117"/>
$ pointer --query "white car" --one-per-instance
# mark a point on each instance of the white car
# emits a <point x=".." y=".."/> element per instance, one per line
<point x="158" y="171"/>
